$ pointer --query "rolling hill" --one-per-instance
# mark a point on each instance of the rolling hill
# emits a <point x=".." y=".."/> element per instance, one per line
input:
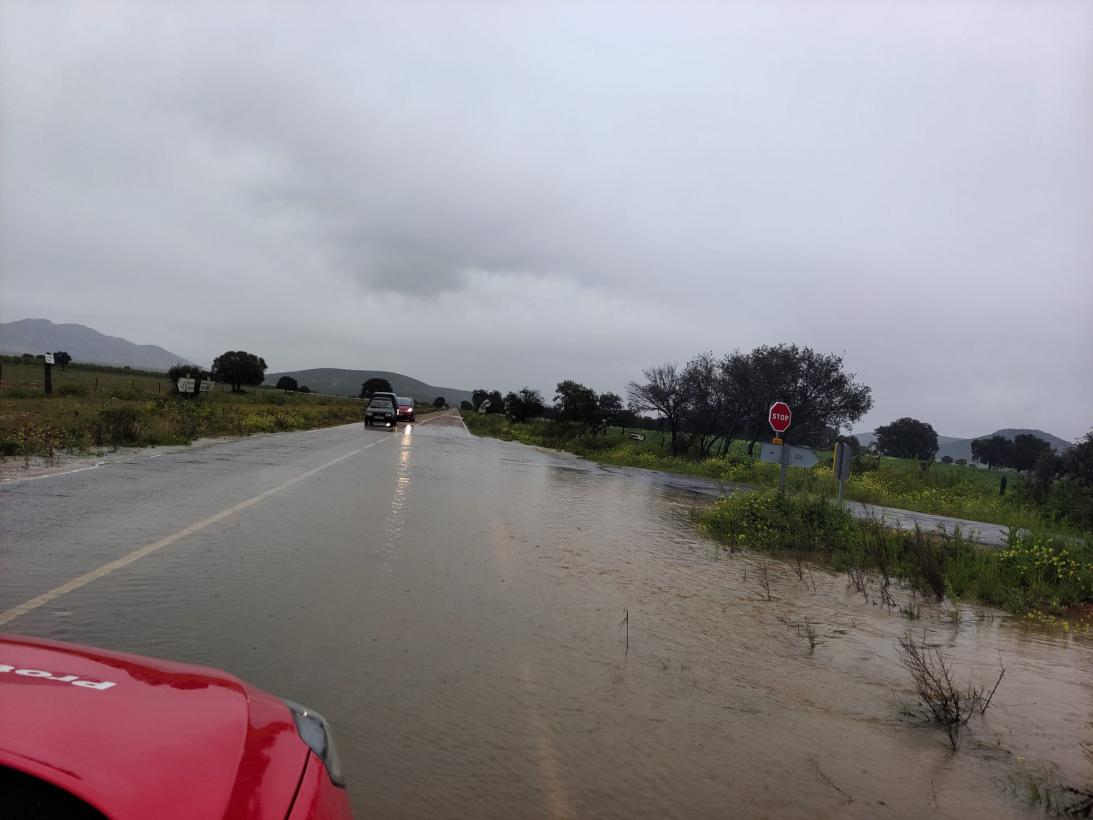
<point x="348" y="382"/>
<point x="83" y="344"/>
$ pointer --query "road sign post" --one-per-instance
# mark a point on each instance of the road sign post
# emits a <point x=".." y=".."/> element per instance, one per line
<point x="49" y="374"/>
<point x="787" y="456"/>
<point x="840" y="465"/>
<point x="779" y="415"/>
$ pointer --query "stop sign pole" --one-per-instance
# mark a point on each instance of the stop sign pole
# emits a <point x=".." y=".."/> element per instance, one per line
<point x="780" y="417"/>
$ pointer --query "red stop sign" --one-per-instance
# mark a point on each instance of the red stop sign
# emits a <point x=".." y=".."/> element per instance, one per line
<point x="780" y="416"/>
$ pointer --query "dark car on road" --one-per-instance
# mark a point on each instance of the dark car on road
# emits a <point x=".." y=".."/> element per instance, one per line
<point x="406" y="409"/>
<point x="381" y="410"/>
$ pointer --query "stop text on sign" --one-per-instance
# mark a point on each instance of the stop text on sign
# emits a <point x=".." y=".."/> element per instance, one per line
<point x="780" y="416"/>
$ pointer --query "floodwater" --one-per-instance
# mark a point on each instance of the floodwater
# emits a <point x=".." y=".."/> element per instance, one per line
<point x="498" y="631"/>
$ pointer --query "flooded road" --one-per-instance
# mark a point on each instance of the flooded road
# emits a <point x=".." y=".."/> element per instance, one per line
<point x="455" y="606"/>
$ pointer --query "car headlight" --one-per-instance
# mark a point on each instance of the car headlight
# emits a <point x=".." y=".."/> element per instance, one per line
<point x="315" y="732"/>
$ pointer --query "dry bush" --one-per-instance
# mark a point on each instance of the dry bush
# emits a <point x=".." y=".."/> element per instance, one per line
<point x="764" y="580"/>
<point x="949" y="705"/>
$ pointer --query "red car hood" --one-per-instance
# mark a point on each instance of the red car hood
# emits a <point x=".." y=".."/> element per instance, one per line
<point x="137" y="737"/>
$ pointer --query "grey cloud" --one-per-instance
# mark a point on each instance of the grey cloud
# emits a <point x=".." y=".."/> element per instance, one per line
<point x="907" y="184"/>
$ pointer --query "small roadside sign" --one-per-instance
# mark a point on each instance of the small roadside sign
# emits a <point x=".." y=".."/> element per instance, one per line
<point x="186" y="385"/>
<point x="794" y="456"/>
<point x="637" y="436"/>
<point x="206" y="385"/>
<point x="49" y="358"/>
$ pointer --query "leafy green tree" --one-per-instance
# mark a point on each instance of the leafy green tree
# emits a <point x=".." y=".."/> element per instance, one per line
<point x="497" y="402"/>
<point x="907" y="438"/>
<point x="610" y="410"/>
<point x="439" y="402"/>
<point x="375" y="385"/>
<point x="1077" y="461"/>
<point x="819" y="391"/>
<point x="947" y="459"/>
<point x="524" y="405"/>
<point x="465" y="406"/>
<point x="996" y="451"/>
<point x="239" y="368"/>
<point x="286" y="383"/>
<point x="663" y="393"/>
<point x="1063" y="484"/>
<point x="62" y="358"/>
<point x="704" y="412"/>
<point x="303" y="388"/>
<point x="478" y="396"/>
<point x="1027" y="450"/>
<point x="576" y="402"/>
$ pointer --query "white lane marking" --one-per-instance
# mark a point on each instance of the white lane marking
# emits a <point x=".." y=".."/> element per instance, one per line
<point x="106" y="569"/>
<point x="160" y="455"/>
<point x="465" y="429"/>
<point x="53" y="475"/>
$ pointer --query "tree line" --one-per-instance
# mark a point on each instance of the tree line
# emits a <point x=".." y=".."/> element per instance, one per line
<point x="711" y="400"/>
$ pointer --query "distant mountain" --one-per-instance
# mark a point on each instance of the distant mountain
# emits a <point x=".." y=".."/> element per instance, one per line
<point x="962" y="447"/>
<point x="348" y="382"/>
<point x="83" y="344"/>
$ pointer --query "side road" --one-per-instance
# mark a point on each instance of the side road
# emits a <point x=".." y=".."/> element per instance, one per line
<point x="990" y="535"/>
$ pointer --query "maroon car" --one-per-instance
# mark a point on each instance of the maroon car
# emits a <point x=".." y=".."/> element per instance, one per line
<point x="406" y="409"/>
<point x="90" y="733"/>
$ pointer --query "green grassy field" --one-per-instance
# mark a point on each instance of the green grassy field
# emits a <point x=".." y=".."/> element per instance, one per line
<point x="94" y="407"/>
<point x="945" y="489"/>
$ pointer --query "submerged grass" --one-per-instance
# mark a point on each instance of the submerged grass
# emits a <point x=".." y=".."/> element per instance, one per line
<point x="944" y="489"/>
<point x="1033" y="573"/>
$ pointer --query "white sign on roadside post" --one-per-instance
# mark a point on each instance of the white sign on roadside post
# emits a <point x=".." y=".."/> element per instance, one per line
<point x="206" y="385"/>
<point x="49" y="358"/>
<point x="794" y="456"/>
<point x="186" y="385"/>
<point x="788" y="457"/>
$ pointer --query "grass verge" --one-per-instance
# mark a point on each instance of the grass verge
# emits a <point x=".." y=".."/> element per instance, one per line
<point x="100" y="407"/>
<point x="1033" y="573"/>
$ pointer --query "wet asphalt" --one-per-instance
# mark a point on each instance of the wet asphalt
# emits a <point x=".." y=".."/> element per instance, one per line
<point x="453" y="605"/>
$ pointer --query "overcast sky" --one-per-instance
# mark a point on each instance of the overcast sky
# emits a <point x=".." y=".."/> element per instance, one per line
<point x="496" y="195"/>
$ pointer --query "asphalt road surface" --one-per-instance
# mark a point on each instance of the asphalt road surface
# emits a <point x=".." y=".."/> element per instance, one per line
<point x="495" y="630"/>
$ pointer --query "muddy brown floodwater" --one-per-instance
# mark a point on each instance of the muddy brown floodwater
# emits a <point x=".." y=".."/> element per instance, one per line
<point x="454" y="605"/>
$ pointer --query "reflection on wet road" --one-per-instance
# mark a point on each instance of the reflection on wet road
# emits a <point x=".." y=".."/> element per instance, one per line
<point x="452" y="605"/>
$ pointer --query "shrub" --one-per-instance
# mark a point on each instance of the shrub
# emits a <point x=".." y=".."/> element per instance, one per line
<point x="1033" y="572"/>
<point x="948" y="704"/>
<point x="118" y="425"/>
<point x="768" y="520"/>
